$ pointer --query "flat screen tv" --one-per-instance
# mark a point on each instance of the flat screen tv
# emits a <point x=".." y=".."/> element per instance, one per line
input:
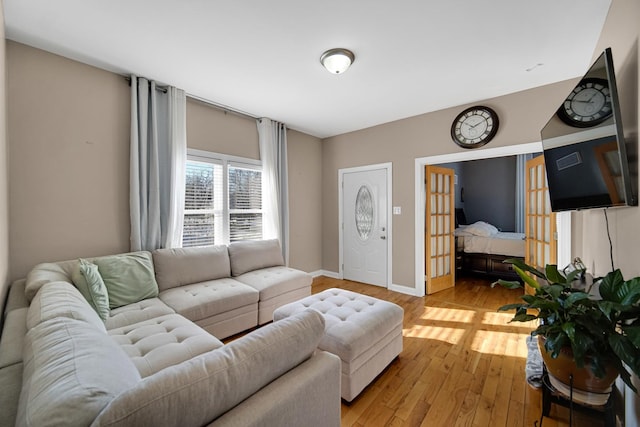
<point x="584" y="147"/>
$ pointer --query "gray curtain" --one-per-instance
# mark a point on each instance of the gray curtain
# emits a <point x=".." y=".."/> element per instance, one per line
<point x="272" y="137"/>
<point x="157" y="162"/>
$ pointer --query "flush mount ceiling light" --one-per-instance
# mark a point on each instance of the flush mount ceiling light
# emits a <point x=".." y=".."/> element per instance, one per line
<point x="338" y="60"/>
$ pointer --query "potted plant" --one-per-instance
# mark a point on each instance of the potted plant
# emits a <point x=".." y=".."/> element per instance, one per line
<point x="597" y="328"/>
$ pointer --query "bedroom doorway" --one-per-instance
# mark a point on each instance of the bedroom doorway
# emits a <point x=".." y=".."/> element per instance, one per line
<point x="563" y="219"/>
<point x="365" y="205"/>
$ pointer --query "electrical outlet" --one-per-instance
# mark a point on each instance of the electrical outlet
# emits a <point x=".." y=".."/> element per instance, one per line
<point x="397" y="210"/>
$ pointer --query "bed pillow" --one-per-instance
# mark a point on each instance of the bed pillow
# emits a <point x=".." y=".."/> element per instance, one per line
<point x="481" y="228"/>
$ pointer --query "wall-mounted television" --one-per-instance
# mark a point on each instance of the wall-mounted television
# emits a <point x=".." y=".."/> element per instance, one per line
<point x="584" y="146"/>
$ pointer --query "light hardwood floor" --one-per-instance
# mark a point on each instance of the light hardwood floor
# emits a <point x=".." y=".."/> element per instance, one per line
<point x="462" y="364"/>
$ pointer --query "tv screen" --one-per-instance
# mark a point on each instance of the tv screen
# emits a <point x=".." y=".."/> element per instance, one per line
<point x="584" y="148"/>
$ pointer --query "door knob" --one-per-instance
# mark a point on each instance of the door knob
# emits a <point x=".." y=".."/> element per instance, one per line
<point x="383" y="237"/>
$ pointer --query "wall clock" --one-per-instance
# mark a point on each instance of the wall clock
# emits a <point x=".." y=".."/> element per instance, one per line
<point x="474" y="127"/>
<point x="589" y="104"/>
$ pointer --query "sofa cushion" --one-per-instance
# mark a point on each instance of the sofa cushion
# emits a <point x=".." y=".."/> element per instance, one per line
<point x="61" y="299"/>
<point x="96" y="290"/>
<point x="137" y="312"/>
<point x="168" y="340"/>
<point x="202" y="300"/>
<point x="274" y="281"/>
<point x="129" y="277"/>
<point x="251" y="255"/>
<point x="184" y="266"/>
<point x="199" y="390"/>
<point x="71" y="372"/>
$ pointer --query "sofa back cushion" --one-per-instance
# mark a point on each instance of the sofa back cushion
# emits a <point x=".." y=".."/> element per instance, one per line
<point x="61" y="299"/>
<point x="72" y="371"/>
<point x="184" y="266"/>
<point x="45" y="273"/>
<point x="128" y="277"/>
<point x="199" y="390"/>
<point x="252" y="255"/>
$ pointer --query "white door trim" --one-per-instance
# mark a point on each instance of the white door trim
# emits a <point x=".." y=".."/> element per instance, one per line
<point x="419" y="197"/>
<point x="341" y="172"/>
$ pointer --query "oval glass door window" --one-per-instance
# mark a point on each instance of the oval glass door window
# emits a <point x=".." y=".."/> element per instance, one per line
<point x="364" y="212"/>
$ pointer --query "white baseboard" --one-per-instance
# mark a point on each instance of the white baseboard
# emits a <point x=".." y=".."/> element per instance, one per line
<point x="326" y="273"/>
<point x="403" y="289"/>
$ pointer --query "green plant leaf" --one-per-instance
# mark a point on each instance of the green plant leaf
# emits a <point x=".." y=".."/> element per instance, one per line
<point x="630" y="291"/>
<point x="509" y="284"/>
<point x="526" y="278"/>
<point x="553" y="275"/>
<point x="626" y="351"/>
<point x="519" y="263"/>
<point x="609" y="286"/>
<point x="569" y="328"/>
<point x="633" y="333"/>
<point x="575" y="297"/>
<point x="523" y="317"/>
<point x="513" y="306"/>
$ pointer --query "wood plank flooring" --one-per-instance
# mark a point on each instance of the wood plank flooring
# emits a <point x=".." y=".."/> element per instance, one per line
<point x="462" y="364"/>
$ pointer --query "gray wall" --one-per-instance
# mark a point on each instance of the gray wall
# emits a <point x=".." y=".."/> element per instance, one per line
<point x="489" y="191"/>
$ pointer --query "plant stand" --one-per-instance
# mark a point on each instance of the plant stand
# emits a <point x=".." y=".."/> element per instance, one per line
<point x="551" y="395"/>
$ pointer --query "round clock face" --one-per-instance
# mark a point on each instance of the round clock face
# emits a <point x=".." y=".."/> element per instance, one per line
<point x="474" y="127"/>
<point x="588" y="104"/>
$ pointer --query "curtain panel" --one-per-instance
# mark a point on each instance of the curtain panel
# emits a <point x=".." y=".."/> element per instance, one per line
<point x="158" y="154"/>
<point x="272" y="137"/>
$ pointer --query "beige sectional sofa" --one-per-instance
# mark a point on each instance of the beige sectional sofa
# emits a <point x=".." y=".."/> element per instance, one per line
<point x="154" y="355"/>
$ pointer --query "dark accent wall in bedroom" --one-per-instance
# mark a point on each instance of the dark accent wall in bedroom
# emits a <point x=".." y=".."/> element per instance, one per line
<point x="489" y="191"/>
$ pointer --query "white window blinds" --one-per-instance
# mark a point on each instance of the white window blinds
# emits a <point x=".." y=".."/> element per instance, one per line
<point x="223" y="201"/>
<point x="245" y="203"/>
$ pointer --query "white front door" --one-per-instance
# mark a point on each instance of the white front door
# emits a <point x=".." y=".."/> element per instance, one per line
<point x="365" y="225"/>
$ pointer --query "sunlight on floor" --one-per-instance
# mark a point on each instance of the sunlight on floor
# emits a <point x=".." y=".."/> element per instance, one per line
<point x="450" y="335"/>
<point x="500" y="343"/>
<point x="448" y="315"/>
<point x="502" y="319"/>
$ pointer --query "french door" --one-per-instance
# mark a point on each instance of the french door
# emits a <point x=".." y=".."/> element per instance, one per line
<point x="439" y="226"/>
<point x="540" y="221"/>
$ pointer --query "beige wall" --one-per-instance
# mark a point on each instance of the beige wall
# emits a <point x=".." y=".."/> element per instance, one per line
<point x="68" y="159"/>
<point x="4" y="175"/>
<point x="69" y="162"/>
<point x="621" y="33"/>
<point x="522" y="115"/>
<point x="211" y="129"/>
<point x="305" y="201"/>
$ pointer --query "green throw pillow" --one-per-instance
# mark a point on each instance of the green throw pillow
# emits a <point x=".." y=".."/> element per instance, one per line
<point x="129" y="278"/>
<point x="98" y="295"/>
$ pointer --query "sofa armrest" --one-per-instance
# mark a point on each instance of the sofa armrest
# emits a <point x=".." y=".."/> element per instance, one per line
<point x="308" y="395"/>
<point x="199" y="390"/>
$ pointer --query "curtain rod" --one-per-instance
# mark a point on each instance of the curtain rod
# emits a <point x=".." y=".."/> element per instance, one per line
<point x="221" y="107"/>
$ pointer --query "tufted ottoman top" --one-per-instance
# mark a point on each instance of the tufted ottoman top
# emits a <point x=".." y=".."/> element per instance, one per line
<point x="353" y="322"/>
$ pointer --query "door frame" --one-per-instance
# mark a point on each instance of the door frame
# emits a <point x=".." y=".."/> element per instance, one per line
<point x="564" y="233"/>
<point x="341" y="172"/>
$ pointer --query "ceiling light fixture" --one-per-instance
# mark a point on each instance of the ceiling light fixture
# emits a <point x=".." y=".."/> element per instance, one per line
<point x="337" y="60"/>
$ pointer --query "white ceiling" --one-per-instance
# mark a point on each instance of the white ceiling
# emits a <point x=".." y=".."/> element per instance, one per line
<point x="262" y="57"/>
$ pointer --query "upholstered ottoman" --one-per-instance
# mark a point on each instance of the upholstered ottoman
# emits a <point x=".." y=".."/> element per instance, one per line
<point x="365" y="332"/>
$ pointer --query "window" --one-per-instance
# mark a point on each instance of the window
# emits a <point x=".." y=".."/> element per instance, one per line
<point x="223" y="199"/>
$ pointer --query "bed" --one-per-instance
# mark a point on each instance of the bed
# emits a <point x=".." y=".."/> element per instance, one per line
<point x="481" y="249"/>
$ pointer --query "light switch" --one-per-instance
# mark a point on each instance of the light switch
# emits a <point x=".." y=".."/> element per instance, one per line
<point x="397" y="210"/>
